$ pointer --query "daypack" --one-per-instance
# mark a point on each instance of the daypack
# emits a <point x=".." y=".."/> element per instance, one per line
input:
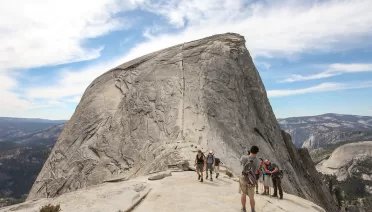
<point x="280" y="173"/>
<point x="249" y="174"/>
<point x="217" y="161"/>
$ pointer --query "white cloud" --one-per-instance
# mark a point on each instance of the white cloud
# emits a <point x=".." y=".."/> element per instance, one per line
<point x="273" y="29"/>
<point x="71" y="83"/>
<point x="42" y="32"/>
<point x="324" y="87"/>
<point x="333" y="70"/>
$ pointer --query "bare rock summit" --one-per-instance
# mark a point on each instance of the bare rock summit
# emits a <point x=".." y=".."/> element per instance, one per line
<point x="151" y="115"/>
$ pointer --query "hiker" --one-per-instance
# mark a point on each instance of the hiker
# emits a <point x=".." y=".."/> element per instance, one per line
<point x="210" y="164"/>
<point x="200" y="163"/>
<point x="258" y="174"/>
<point x="265" y="178"/>
<point x="273" y="169"/>
<point x="247" y="181"/>
<point x="217" y="163"/>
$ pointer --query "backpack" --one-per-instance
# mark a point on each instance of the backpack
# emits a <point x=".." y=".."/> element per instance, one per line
<point x="217" y="161"/>
<point x="249" y="175"/>
<point x="280" y="173"/>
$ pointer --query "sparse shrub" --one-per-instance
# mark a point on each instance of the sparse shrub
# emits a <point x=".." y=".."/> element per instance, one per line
<point x="50" y="208"/>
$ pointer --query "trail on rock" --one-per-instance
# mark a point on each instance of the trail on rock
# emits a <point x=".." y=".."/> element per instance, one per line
<point x="183" y="193"/>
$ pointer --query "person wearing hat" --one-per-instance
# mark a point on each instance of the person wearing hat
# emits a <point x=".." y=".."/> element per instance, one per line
<point x="210" y="164"/>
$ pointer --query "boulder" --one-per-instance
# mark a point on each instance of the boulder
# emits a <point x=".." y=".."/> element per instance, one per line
<point x="160" y="175"/>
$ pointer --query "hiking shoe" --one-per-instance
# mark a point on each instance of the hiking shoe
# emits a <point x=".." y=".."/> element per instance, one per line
<point x="243" y="210"/>
<point x="199" y="177"/>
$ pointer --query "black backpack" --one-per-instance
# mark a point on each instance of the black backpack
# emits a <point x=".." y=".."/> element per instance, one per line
<point x="249" y="175"/>
<point x="217" y="161"/>
<point x="280" y="173"/>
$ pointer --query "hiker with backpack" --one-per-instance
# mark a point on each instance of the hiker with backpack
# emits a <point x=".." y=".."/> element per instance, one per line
<point x="247" y="182"/>
<point x="276" y="175"/>
<point x="200" y="163"/>
<point x="210" y="163"/>
<point x="217" y="163"/>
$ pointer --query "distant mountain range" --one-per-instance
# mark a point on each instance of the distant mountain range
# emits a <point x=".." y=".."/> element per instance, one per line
<point x="313" y="132"/>
<point x="24" y="146"/>
<point x="340" y="145"/>
<point x="13" y="128"/>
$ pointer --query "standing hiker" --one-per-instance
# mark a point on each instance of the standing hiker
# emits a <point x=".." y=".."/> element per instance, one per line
<point x="200" y="162"/>
<point x="217" y="163"/>
<point x="275" y="175"/>
<point x="247" y="181"/>
<point x="265" y="177"/>
<point x="210" y="164"/>
<point x="258" y="174"/>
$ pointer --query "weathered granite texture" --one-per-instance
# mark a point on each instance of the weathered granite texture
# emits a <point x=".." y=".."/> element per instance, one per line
<point x="148" y="115"/>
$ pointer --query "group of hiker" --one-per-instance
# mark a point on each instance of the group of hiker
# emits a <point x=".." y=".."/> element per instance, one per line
<point x="254" y="169"/>
<point x="209" y="163"/>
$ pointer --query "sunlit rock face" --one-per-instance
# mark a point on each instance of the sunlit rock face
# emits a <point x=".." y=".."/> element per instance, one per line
<point x="152" y="114"/>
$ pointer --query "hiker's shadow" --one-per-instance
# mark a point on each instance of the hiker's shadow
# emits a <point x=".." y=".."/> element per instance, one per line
<point x="212" y="183"/>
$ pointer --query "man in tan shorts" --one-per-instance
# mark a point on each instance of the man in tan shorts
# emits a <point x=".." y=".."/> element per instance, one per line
<point x="247" y="188"/>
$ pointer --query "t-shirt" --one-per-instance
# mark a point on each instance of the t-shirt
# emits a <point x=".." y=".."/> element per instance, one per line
<point x="200" y="160"/>
<point x="271" y="167"/>
<point x="246" y="158"/>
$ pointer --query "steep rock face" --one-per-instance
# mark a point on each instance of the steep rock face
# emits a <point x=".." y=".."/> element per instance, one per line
<point x="152" y="113"/>
<point x="304" y="167"/>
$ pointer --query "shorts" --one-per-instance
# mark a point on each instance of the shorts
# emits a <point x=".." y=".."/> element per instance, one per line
<point x="246" y="189"/>
<point x="200" y="167"/>
<point x="217" y="169"/>
<point x="266" y="180"/>
<point x="210" y="167"/>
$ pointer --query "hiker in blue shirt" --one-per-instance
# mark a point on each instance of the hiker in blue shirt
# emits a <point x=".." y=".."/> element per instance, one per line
<point x="210" y="163"/>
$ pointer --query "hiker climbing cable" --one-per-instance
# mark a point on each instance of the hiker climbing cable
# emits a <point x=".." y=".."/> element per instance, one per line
<point x="200" y="163"/>
<point x="273" y="169"/>
<point x="210" y="164"/>
<point x="247" y="181"/>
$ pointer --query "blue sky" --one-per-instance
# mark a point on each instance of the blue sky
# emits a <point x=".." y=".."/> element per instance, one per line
<point x="314" y="56"/>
